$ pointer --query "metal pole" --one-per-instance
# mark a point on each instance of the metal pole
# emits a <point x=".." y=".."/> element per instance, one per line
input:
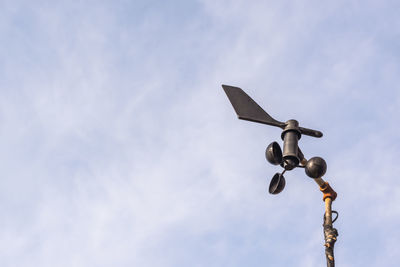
<point x="330" y="233"/>
<point x="330" y="236"/>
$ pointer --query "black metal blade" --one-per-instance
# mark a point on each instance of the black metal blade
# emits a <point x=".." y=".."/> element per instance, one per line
<point x="247" y="109"/>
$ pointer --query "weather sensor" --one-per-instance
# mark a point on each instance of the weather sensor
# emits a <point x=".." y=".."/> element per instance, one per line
<point x="290" y="157"/>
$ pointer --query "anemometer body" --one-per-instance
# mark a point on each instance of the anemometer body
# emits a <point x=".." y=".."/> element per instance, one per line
<point x="291" y="157"/>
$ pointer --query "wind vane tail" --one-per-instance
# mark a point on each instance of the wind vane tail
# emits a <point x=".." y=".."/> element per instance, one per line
<point x="247" y="109"/>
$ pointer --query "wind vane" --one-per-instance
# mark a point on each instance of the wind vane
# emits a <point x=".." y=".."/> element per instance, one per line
<point x="291" y="157"/>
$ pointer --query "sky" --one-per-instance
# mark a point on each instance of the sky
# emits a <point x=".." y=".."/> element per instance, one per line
<point x="119" y="147"/>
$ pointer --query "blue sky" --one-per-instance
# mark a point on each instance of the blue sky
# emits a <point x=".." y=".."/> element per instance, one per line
<point x="120" y="148"/>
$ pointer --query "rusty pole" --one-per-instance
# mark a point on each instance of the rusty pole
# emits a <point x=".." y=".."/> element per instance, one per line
<point x="330" y="233"/>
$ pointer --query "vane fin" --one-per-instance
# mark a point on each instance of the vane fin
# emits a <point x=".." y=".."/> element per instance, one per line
<point x="247" y="109"/>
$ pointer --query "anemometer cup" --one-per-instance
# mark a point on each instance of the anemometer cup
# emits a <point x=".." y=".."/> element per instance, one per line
<point x="277" y="184"/>
<point x="273" y="153"/>
<point x="316" y="167"/>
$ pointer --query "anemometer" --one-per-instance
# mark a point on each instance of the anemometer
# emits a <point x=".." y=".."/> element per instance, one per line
<point x="289" y="158"/>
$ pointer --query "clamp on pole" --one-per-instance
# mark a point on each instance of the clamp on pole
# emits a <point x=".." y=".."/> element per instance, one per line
<point x="328" y="191"/>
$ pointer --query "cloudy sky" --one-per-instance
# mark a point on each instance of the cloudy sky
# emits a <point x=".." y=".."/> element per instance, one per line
<point x="119" y="147"/>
